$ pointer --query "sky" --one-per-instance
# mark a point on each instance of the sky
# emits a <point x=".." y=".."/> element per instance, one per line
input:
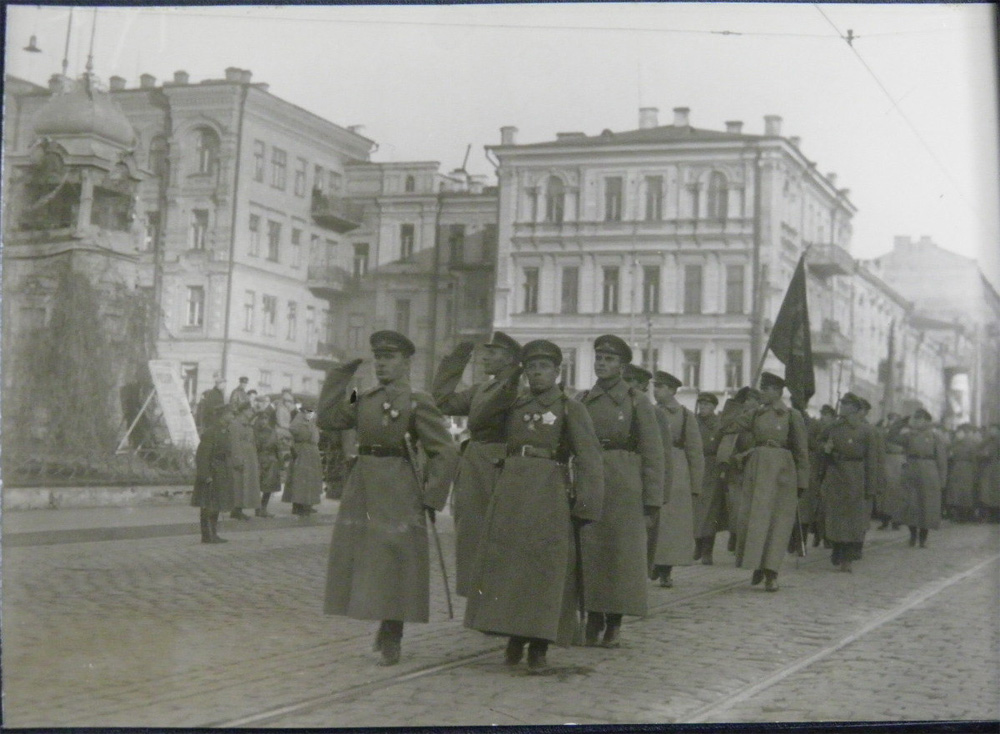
<point x="905" y="113"/>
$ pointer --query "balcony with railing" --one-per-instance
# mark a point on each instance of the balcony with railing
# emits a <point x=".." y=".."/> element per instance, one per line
<point x="324" y="355"/>
<point x="328" y="281"/>
<point x="336" y="213"/>
<point x="829" y="259"/>
<point x="830" y="343"/>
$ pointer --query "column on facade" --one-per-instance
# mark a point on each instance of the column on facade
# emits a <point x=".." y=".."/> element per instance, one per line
<point x="589" y="284"/>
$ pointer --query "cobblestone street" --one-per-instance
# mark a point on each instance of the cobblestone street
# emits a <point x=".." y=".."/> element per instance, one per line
<point x="160" y="630"/>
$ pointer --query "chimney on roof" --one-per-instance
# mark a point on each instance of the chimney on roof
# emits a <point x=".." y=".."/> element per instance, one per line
<point x="246" y="75"/>
<point x="147" y="81"/>
<point x="233" y="74"/>
<point x="772" y="125"/>
<point x="832" y="178"/>
<point x="734" y="126"/>
<point x="356" y="129"/>
<point x="508" y="135"/>
<point x="181" y="77"/>
<point x="681" y="117"/>
<point x="59" y="83"/>
<point x="796" y="141"/>
<point x="116" y="83"/>
<point x="648" y="117"/>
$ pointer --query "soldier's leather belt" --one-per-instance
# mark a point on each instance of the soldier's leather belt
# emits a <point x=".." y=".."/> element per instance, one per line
<point x="534" y="452"/>
<point x="382" y="451"/>
<point x="770" y="445"/>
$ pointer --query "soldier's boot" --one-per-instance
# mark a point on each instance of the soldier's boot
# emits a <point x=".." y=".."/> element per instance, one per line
<point x="206" y="531"/>
<point x="913" y="536"/>
<point x="923" y="537"/>
<point x="698" y="543"/>
<point x="731" y="545"/>
<point x="706" y="550"/>
<point x="612" y="633"/>
<point x="379" y="638"/>
<point x="238" y="514"/>
<point x="213" y="526"/>
<point x="835" y="557"/>
<point x="885" y="522"/>
<point x="665" y="581"/>
<point x="392" y="641"/>
<point x="817" y="536"/>
<point x="515" y="650"/>
<point x="536" y="655"/>
<point x="595" y="624"/>
<point x="757" y="577"/>
<point x="770" y="580"/>
<point x="845" y="566"/>
<point x="265" y="497"/>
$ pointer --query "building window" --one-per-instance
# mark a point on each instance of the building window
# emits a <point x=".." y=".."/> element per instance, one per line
<point x="301" y="165"/>
<point x="355" y="327"/>
<point x="307" y="385"/>
<point x="456" y="243"/>
<point x="293" y="321"/>
<point x="406" y="235"/>
<point x="490" y="238"/>
<point x="199" y="228"/>
<point x="296" y="248"/>
<point x="555" y="200"/>
<point x="207" y="150"/>
<point x="195" y="305"/>
<point x="403" y="315"/>
<point x="152" y="231"/>
<point x="651" y="289"/>
<point x="249" y="306"/>
<point x="718" y="204"/>
<point x="331" y="254"/>
<point x="695" y="195"/>
<point x="279" y="164"/>
<point x="531" y="290"/>
<point x="273" y="240"/>
<point x="328" y="327"/>
<point x="335" y="181"/>
<point x="654" y="198"/>
<point x="319" y="179"/>
<point x="270" y="308"/>
<point x="734" y="369"/>
<point x="613" y="199"/>
<point x="410" y="185"/>
<point x="286" y="380"/>
<point x="254" y="235"/>
<point x="570" y="290"/>
<point x="734" y="288"/>
<point x="264" y="380"/>
<point x="189" y="378"/>
<point x="567" y="370"/>
<point x="651" y="359"/>
<point x="692" y="368"/>
<point x="609" y="303"/>
<point x="258" y="160"/>
<point x="360" y="259"/>
<point x="310" y="329"/>
<point x="692" y="289"/>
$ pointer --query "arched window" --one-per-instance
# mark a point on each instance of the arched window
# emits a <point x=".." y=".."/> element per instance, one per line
<point x="718" y="205"/>
<point x="555" y="200"/>
<point x="410" y="185"/>
<point x="157" y="160"/>
<point x="206" y="150"/>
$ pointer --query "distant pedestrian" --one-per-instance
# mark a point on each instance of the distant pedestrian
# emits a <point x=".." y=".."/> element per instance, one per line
<point x="778" y="466"/>
<point x="480" y="461"/>
<point x="963" y="472"/>
<point x="924" y="474"/>
<point x="526" y="577"/>
<point x="989" y="473"/>
<point x="894" y="504"/>
<point x="614" y="547"/>
<point x="268" y="452"/>
<point x="710" y="509"/>
<point x="213" y="483"/>
<point x="284" y="410"/>
<point x="239" y="394"/>
<point x="208" y="406"/>
<point x="246" y="470"/>
<point x="676" y="532"/>
<point x="378" y="566"/>
<point x="304" y="487"/>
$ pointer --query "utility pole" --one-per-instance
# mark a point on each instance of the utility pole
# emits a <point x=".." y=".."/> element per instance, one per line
<point x="757" y="306"/>
<point x="432" y="330"/>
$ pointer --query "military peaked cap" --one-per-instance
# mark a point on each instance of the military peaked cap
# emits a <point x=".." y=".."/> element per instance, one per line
<point x="611" y="344"/>
<point x="707" y="397"/>
<point x="849" y="398"/>
<point x="666" y="379"/>
<point x="827" y="410"/>
<point x="921" y="413"/>
<point x="541" y="348"/>
<point x="769" y="379"/>
<point x="391" y="341"/>
<point x="865" y="405"/>
<point x="746" y="392"/>
<point x="502" y="341"/>
<point x="637" y="374"/>
<point x="244" y="379"/>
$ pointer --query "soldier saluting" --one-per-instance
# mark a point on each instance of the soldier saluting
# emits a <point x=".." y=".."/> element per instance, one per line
<point x="526" y="580"/>
<point x="378" y="565"/>
<point x="614" y="549"/>
<point x="479" y="466"/>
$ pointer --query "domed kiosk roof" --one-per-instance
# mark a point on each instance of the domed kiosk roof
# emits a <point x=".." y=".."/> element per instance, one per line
<point x="85" y="111"/>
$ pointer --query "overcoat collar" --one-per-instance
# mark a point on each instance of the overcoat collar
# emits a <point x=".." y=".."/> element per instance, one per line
<point x="618" y="391"/>
<point x="391" y="390"/>
<point x="545" y="399"/>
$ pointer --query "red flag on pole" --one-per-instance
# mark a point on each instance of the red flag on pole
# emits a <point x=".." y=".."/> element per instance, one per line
<point x="790" y="341"/>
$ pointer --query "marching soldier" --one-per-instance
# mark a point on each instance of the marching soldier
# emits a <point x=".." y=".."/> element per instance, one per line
<point x="614" y="558"/>
<point x="733" y="449"/>
<point x="675" y="537"/>
<point x="989" y="473"/>
<point x="924" y="474"/>
<point x="777" y="467"/>
<point x="811" y="501"/>
<point x="479" y="465"/>
<point x="850" y="480"/>
<point x="711" y="507"/>
<point x="378" y="565"/>
<point x="526" y="580"/>
<point x="963" y="466"/>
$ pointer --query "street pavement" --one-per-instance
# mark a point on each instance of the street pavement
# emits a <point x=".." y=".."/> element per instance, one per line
<point x="157" y="629"/>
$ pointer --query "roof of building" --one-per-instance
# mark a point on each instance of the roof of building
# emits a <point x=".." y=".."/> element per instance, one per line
<point x="652" y="135"/>
<point x="84" y="110"/>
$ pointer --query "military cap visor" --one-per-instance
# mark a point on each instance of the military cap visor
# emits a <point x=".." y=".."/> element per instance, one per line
<point x="850" y="398"/>
<point x="665" y="379"/>
<point x="865" y="405"/>
<point x="921" y="413"/>
<point x="391" y="341"/>
<point x="611" y="344"/>
<point x="541" y="349"/>
<point x="707" y="397"/>
<point x="503" y="341"/>
<point x="637" y="374"/>
<point x="769" y="379"/>
<point x="827" y="410"/>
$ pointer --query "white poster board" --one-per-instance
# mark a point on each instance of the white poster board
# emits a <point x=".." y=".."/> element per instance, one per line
<point x="173" y="402"/>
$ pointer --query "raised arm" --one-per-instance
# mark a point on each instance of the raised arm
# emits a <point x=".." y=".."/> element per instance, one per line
<point x="449" y="374"/>
<point x="335" y="410"/>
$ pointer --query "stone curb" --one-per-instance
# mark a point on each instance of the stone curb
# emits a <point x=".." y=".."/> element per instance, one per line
<point x="41" y="498"/>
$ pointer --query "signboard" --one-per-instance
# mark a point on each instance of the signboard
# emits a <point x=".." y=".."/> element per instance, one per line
<point x="173" y="402"/>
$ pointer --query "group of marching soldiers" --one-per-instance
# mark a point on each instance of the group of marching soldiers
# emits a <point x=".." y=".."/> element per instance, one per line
<point x="569" y="505"/>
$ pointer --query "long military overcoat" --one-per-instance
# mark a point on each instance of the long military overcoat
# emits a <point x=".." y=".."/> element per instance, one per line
<point x="614" y="548"/>
<point x="246" y="471"/>
<point x="675" y="537"/>
<point x="850" y="479"/>
<point x="989" y="473"/>
<point x="710" y="506"/>
<point x="811" y="501"/>
<point x="731" y="456"/>
<point x="479" y="465"/>
<point x="525" y="574"/>
<point x="213" y="478"/>
<point x="378" y="564"/>
<point x="268" y="451"/>
<point x="963" y="471"/>
<point x="305" y="472"/>
<point x="924" y="475"/>
<point x="777" y="466"/>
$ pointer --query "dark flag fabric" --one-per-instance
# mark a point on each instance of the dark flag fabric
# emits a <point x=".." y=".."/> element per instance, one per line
<point x="790" y="341"/>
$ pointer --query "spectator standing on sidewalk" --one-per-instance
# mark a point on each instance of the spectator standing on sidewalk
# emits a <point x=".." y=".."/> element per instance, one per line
<point x="304" y="486"/>
<point x="525" y="582"/>
<point x="213" y="482"/>
<point x="246" y="470"/>
<point x="675" y="536"/>
<point x="850" y="479"/>
<point x="208" y="407"/>
<point x="268" y="452"/>
<point x="989" y="473"/>
<point x="284" y="411"/>
<point x="777" y="467"/>
<point x="963" y="471"/>
<point x="710" y="510"/>
<point x="614" y="547"/>
<point x="378" y="566"/>
<point x="479" y="465"/>
<point x="924" y="474"/>
<point x="239" y="395"/>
